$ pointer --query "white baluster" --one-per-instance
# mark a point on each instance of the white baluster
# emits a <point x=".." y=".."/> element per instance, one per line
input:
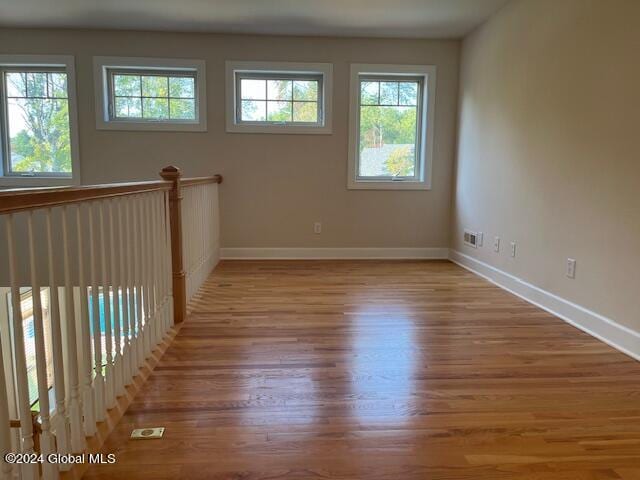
<point x="168" y="266"/>
<point x="153" y="270"/>
<point x="98" y="379"/>
<point x="150" y="273"/>
<point x="203" y="233"/>
<point x="85" y="370"/>
<point x="5" y="431"/>
<point x="162" y="288"/>
<point x="137" y="275"/>
<point x="153" y="313"/>
<point x="146" y="290"/>
<point x="110" y="397"/>
<point x="158" y="263"/>
<point x="61" y="419"/>
<point x="75" y="417"/>
<point x="123" y="343"/>
<point x="28" y="471"/>
<point x="133" y="348"/>
<point x="186" y="238"/>
<point x="46" y="439"/>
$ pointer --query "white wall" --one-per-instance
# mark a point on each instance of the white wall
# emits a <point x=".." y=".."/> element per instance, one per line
<point x="275" y="186"/>
<point x="549" y="150"/>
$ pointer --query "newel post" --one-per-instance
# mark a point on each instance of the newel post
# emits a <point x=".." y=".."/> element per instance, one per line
<point x="173" y="174"/>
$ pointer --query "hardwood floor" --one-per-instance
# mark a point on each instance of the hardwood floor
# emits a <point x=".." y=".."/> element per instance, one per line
<point x="372" y="370"/>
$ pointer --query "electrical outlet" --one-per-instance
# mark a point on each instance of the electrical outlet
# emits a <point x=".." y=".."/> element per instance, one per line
<point x="513" y="249"/>
<point x="480" y="238"/>
<point x="571" y="268"/>
<point x="317" y="227"/>
<point x="496" y="244"/>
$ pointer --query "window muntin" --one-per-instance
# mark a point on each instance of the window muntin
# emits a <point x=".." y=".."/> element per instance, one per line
<point x="147" y="95"/>
<point x="280" y="99"/>
<point x="389" y="126"/>
<point x="36" y="131"/>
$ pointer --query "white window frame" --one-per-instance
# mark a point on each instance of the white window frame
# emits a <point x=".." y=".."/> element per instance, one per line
<point x="67" y="62"/>
<point x="234" y="125"/>
<point x="426" y="123"/>
<point x="101" y="67"/>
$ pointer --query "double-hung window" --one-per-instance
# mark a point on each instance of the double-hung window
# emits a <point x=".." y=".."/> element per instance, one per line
<point x="278" y="98"/>
<point x="150" y="94"/>
<point x="391" y="126"/>
<point x="38" y="133"/>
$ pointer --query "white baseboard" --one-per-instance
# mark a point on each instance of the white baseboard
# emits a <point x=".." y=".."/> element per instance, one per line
<point x="618" y="336"/>
<point x="332" y="253"/>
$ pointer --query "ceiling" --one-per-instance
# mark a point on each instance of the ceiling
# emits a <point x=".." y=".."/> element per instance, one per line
<point x="363" y="18"/>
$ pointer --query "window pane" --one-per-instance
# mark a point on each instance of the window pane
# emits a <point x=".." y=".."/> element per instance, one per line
<point x="254" y="111"/>
<point x="36" y="84"/>
<point x="182" y="109"/>
<point x="408" y="93"/>
<point x="279" y="111"/>
<point x="388" y="93"/>
<point x="16" y="84"/>
<point x="305" y="90"/>
<point x="155" y="86"/>
<point x="128" y="107"/>
<point x="182" y="87"/>
<point x="387" y="141"/>
<point x="253" y="89"/>
<point x="279" y="89"/>
<point x="39" y="135"/>
<point x="155" y="108"/>
<point x="58" y="85"/>
<point x="126" y="85"/>
<point x="369" y="93"/>
<point x="305" y="112"/>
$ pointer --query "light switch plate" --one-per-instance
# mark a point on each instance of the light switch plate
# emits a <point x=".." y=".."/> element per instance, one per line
<point x="571" y="268"/>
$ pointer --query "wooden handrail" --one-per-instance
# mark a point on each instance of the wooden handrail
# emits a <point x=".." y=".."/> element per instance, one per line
<point x="21" y="199"/>
<point x="187" y="182"/>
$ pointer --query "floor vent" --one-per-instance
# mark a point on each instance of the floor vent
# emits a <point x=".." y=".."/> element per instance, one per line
<point x="147" y="433"/>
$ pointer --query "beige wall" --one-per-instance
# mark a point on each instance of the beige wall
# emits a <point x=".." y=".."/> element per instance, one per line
<point x="548" y="149"/>
<point x="275" y="186"/>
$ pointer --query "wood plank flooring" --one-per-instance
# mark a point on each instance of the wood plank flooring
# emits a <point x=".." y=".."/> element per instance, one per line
<point x="376" y="370"/>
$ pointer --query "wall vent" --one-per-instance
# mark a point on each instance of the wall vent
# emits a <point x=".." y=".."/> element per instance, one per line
<point x="471" y="238"/>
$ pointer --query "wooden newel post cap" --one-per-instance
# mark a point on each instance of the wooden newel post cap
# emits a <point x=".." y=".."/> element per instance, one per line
<point x="170" y="173"/>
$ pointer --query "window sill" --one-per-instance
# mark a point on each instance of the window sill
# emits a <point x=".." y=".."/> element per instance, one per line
<point x="279" y="129"/>
<point x="387" y="185"/>
<point x="35" y="182"/>
<point x="151" y="126"/>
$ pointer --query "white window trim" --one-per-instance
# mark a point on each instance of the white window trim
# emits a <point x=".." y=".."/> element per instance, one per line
<point x="68" y="63"/>
<point x="324" y="69"/>
<point x="102" y="64"/>
<point x="428" y="72"/>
